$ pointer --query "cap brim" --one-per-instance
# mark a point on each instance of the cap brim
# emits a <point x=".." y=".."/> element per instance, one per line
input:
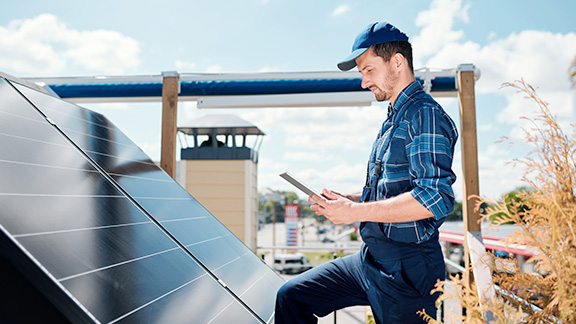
<point x="350" y="61"/>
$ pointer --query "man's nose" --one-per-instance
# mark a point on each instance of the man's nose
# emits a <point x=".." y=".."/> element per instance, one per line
<point x="365" y="83"/>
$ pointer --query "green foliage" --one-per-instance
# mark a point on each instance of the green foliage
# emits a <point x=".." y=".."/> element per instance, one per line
<point x="514" y="203"/>
<point x="292" y="198"/>
<point x="266" y="208"/>
<point x="456" y="214"/>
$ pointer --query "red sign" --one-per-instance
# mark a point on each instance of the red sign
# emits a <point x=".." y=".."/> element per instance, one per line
<point x="291" y="214"/>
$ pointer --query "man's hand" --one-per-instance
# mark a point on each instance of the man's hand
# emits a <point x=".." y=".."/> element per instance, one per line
<point x="334" y="206"/>
<point x="346" y="209"/>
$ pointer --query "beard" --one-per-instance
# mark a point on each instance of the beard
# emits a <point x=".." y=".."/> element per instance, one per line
<point x="384" y="93"/>
<point x="381" y="96"/>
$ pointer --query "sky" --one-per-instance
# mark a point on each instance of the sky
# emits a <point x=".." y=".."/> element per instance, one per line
<point x="326" y="147"/>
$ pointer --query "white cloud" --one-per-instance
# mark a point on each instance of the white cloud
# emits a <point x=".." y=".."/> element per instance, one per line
<point x="103" y="50"/>
<point x="497" y="174"/>
<point x="541" y="58"/>
<point x="333" y="128"/>
<point x="340" y="10"/>
<point x="44" y="45"/>
<point x="185" y="66"/>
<point x="437" y="26"/>
<point x="491" y="36"/>
<point x="485" y="127"/>
<point x="560" y="104"/>
<point x="344" y="178"/>
<point x="326" y="147"/>
<point x="214" y="69"/>
<point x="22" y="49"/>
<point x="303" y="156"/>
<point x="324" y="129"/>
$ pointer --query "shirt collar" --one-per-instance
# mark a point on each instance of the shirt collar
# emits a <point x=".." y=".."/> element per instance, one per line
<point x="404" y="95"/>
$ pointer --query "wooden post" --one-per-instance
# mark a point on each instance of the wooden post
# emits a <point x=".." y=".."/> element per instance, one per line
<point x="169" y="122"/>
<point x="468" y="139"/>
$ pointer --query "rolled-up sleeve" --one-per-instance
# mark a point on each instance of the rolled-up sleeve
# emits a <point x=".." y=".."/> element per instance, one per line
<point x="430" y="152"/>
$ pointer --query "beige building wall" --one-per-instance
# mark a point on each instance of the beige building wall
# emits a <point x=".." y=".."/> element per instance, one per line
<point x="228" y="189"/>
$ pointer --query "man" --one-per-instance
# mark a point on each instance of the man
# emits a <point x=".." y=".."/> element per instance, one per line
<point x="407" y="195"/>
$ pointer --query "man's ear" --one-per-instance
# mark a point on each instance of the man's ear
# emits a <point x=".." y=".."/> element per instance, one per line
<point x="398" y="60"/>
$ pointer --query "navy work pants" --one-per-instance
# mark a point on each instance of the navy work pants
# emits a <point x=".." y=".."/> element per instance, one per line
<point x="395" y="289"/>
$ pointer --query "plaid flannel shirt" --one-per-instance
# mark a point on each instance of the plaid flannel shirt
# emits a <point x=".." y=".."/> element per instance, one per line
<point x="416" y="159"/>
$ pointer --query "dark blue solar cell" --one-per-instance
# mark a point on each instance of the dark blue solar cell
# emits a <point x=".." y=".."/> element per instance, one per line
<point x="166" y="201"/>
<point x="88" y="218"/>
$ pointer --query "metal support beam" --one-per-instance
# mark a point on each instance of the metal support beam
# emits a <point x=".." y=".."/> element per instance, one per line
<point x="468" y="139"/>
<point x="169" y="122"/>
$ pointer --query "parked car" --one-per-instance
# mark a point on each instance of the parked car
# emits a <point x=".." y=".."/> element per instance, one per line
<point x="291" y="263"/>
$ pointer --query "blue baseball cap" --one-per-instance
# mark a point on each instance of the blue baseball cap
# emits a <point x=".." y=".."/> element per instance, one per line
<point x="376" y="33"/>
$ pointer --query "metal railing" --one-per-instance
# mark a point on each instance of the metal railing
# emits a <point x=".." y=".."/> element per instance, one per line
<point x="448" y="262"/>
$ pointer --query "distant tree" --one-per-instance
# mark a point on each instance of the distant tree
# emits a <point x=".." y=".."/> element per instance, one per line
<point x="456" y="214"/>
<point x="267" y="209"/>
<point x="292" y="198"/>
<point x="514" y="203"/>
<point x="305" y="210"/>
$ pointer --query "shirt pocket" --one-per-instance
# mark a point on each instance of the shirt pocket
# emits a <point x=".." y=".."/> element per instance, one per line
<point x="395" y="180"/>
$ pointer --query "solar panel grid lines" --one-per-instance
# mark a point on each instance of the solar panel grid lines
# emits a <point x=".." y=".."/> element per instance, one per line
<point x="107" y="200"/>
<point x="23" y="238"/>
<point x="157" y="299"/>
<point x="136" y="181"/>
<point x="80" y="315"/>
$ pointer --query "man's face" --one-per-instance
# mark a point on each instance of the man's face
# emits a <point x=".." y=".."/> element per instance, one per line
<point x="377" y="75"/>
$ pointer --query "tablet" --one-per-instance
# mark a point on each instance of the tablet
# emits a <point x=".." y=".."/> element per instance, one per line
<point x="300" y="185"/>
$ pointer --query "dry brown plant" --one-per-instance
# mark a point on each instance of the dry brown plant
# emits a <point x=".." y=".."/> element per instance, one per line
<point x="572" y="72"/>
<point x="546" y="217"/>
<point x="467" y="296"/>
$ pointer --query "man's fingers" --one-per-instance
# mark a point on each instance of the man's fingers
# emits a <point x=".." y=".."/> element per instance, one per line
<point x="331" y="195"/>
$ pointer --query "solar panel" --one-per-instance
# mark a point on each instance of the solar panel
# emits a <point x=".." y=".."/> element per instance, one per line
<point x="108" y="235"/>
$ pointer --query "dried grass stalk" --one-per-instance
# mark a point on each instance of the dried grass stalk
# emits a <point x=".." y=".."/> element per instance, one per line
<point x="546" y="216"/>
